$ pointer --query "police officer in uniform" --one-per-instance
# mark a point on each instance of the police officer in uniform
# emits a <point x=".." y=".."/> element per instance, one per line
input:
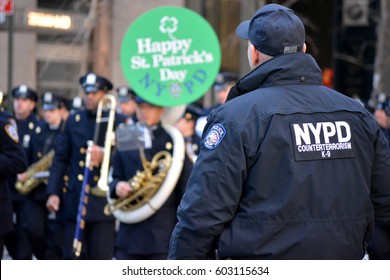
<point x="379" y="246"/>
<point x="148" y="239"/>
<point x="289" y="168"/>
<point x="43" y="142"/>
<point x="224" y="81"/>
<point x="12" y="161"/>
<point x="127" y="104"/>
<point x="186" y="125"/>
<point x="70" y="155"/>
<point x="24" y="105"/>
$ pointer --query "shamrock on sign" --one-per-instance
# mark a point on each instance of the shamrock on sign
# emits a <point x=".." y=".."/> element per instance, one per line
<point x="168" y="25"/>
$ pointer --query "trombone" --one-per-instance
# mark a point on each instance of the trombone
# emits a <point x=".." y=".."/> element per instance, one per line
<point x="107" y="102"/>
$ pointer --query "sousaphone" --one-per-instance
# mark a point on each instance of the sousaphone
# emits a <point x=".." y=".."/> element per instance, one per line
<point x="153" y="185"/>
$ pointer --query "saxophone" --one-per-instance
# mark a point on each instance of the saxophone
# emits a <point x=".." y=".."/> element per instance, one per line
<point x="32" y="181"/>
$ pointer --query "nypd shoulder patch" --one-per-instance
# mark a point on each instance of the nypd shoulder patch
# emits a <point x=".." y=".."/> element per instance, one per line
<point x="12" y="132"/>
<point x="214" y="136"/>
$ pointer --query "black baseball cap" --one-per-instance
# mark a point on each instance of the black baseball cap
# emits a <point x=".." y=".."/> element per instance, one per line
<point x="274" y="30"/>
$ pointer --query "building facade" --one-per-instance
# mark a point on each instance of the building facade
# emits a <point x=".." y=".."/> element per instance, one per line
<point x="54" y="42"/>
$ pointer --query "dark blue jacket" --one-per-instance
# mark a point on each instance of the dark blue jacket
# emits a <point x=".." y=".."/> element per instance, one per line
<point x="43" y="140"/>
<point x="192" y="146"/>
<point x="12" y="161"/>
<point x="289" y="169"/>
<point x="25" y="130"/>
<point x="69" y="161"/>
<point x="150" y="236"/>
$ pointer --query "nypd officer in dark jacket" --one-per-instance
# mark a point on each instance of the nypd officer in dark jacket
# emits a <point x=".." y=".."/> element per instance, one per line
<point x="149" y="238"/>
<point x="186" y="125"/>
<point x="127" y="104"/>
<point x="70" y="155"/>
<point x="379" y="246"/>
<point x="12" y="161"/>
<point x="24" y="105"/>
<point x="42" y="145"/>
<point x="289" y="169"/>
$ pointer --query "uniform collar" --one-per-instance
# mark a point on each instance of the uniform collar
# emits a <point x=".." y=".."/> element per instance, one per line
<point x="296" y="68"/>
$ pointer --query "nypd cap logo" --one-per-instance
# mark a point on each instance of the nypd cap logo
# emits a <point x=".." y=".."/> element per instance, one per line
<point x="214" y="136"/>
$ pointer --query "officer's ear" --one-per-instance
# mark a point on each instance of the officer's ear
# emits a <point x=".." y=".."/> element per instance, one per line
<point x="253" y="56"/>
<point x="304" y="47"/>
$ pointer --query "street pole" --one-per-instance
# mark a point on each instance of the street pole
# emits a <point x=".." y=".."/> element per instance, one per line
<point x="10" y="60"/>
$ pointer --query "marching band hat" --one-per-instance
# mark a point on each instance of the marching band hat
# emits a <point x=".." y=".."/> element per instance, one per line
<point x="274" y="30"/>
<point x="52" y="101"/>
<point x="125" y="93"/>
<point x="93" y="83"/>
<point x="76" y="103"/>
<point x="140" y="100"/>
<point x="384" y="103"/>
<point x="192" y="112"/>
<point x="23" y="91"/>
<point x="224" y="79"/>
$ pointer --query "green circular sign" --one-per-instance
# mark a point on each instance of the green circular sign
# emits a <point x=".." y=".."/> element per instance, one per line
<point x="170" y="56"/>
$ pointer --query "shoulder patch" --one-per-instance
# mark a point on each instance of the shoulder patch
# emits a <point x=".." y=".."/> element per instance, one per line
<point x="13" y="122"/>
<point x="214" y="136"/>
<point x="12" y="132"/>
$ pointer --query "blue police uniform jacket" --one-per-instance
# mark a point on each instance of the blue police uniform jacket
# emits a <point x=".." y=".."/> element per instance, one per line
<point x="289" y="169"/>
<point x="25" y="130"/>
<point x="43" y="140"/>
<point x="69" y="161"/>
<point x="150" y="236"/>
<point x="12" y="161"/>
<point x="194" y="141"/>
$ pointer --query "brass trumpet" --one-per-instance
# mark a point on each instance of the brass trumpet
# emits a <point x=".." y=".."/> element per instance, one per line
<point x="108" y="101"/>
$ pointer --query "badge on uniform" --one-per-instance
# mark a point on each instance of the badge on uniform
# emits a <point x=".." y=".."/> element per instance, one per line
<point x="214" y="136"/>
<point x="12" y="132"/>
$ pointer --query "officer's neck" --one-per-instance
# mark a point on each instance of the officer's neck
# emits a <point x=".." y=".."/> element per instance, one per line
<point x="22" y="116"/>
<point x="54" y="125"/>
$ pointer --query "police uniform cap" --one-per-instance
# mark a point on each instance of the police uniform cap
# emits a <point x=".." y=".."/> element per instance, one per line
<point x="384" y="103"/>
<point x="93" y="83"/>
<point x="23" y="91"/>
<point x="77" y="103"/>
<point x="52" y="101"/>
<point x="224" y="79"/>
<point x="125" y="93"/>
<point x="192" y="112"/>
<point x="139" y="100"/>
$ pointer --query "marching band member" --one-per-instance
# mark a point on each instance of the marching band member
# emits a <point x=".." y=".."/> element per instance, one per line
<point x="12" y="161"/>
<point x="24" y="105"/>
<point x="127" y="104"/>
<point x="70" y="156"/>
<point x="149" y="238"/>
<point x="186" y="125"/>
<point x="43" y="142"/>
